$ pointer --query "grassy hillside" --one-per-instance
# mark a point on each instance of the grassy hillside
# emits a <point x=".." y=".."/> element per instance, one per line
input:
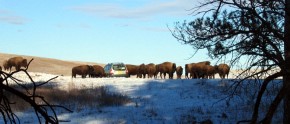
<point x="47" y="65"/>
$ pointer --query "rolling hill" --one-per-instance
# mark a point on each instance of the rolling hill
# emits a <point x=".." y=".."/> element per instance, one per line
<point x="47" y="65"/>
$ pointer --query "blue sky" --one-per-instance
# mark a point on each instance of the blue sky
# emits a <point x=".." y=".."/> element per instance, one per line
<point x="102" y="31"/>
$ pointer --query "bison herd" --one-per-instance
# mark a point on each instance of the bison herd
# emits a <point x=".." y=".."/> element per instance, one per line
<point x="205" y="70"/>
<point x="152" y="70"/>
<point x="92" y="71"/>
<point x="16" y="62"/>
<point x="192" y="70"/>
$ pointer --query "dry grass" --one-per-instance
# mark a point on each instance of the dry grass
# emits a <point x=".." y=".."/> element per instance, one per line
<point x="74" y="99"/>
<point x="48" y="65"/>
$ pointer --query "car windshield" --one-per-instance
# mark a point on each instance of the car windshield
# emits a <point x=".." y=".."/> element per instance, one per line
<point x="119" y="67"/>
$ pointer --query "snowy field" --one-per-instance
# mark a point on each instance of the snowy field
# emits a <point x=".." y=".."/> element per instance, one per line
<point x="161" y="101"/>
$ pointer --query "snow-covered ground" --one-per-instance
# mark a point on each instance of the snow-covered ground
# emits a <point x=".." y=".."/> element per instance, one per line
<point x="160" y="100"/>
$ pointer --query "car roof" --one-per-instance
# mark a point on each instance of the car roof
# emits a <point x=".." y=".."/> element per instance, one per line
<point x="116" y="63"/>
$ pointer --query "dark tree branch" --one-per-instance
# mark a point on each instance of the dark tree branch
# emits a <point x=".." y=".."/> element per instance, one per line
<point x="40" y="110"/>
<point x="260" y="95"/>
<point x="273" y="107"/>
<point x="238" y="28"/>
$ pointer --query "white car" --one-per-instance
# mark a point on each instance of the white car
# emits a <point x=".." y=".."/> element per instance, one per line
<point x="117" y="69"/>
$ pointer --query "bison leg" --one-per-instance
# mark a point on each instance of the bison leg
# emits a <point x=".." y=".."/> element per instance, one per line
<point x="186" y="75"/>
<point x="222" y="76"/>
<point x="84" y="76"/>
<point x="17" y="68"/>
<point x="170" y="75"/>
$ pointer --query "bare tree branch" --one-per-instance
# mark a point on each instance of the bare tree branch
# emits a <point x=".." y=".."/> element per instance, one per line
<point x="41" y="110"/>
<point x="256" y="29"/>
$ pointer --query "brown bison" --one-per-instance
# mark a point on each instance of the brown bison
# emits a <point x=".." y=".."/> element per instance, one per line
<point x="132" y="69"/>
<point x="223" y="70"/>
<point x="98" y="71"/>
<point x="199" y="70"/>
<point x="82" y="70"/>
<point x="188" y="68"/>
<point x="142" y="71"/>
<point x="210" y="71"/>
<point x="179" y="71"/>
<point x="151" y="70"/>
<point x="167" y="67"/>
<point x="17" y="62"/>
<point x="5" y="65"/>
<point x="157" y="70"/>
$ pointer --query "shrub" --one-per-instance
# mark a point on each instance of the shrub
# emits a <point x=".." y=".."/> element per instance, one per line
<point x="74" y="98"/>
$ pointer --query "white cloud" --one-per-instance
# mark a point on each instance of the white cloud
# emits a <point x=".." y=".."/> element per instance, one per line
<point x="68" y="26"/>
<point x="16" y="20"/>
<point x="155" y="29"/>
<point x="148" y="28"/>
<point x="3" y="11"/>
<point x="8" y="17"/>
<point x="148" y="10"/>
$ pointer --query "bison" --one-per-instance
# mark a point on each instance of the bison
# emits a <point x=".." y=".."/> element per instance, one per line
<point x="17" y="62"/>
<point x="223" y="70"/>
<point x="167" y="67"/>
<point x="179" y="71"/>
<point x="5" y="65"/>
<point x="132" y="69"/>
<point x="197" y="70"/>
<point x="98" y="71"/>
<point x="82" y="70"/>
<point x="151" y="70"/>
<point x="142" y="71"/>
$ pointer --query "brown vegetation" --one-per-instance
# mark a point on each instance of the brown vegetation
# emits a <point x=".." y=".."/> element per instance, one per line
<point x="74" y="99"/>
